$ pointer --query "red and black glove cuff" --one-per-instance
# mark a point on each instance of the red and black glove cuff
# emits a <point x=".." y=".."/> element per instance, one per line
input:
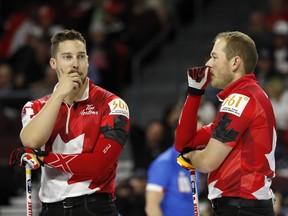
<point x="195" y="91"/>
<point x="16" y="155"/>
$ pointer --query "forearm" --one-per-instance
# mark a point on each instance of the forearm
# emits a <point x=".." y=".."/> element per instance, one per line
<point x="90" y="165"/>
<point x="153" y="210"/>
<point x="210" y="158"/>
<point x="37" y="132"/>
<point x="186" y="129"/>
<point x="199" y="160"/>
<point x="153" y="201"/>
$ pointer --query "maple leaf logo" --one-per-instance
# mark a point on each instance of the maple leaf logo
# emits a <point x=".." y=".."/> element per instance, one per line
<point x="73" y="146"/>
<point x="62" y="162"/>
<point x="221" y="132"/>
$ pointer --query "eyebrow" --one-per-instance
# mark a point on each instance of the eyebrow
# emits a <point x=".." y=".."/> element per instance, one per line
<point x="69" y="53"/>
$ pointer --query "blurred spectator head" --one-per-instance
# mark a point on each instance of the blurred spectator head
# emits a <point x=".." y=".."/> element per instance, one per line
<point x="97" y="33"/>
<point x="265" y="59"/>
<point x="275" y="86"/>
<point x="257" y="21"/>
<point x="280" y="28"/>
<point x="113" y="7"/>
<point x="6" y="76"/>
<point x="154" y="134"/>
<point x="138" y="181"/>
<point x="46" y="16"/>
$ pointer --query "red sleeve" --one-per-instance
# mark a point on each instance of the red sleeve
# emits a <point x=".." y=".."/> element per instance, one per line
<point x="91" y="165"/>
<point x="187" y="134"/>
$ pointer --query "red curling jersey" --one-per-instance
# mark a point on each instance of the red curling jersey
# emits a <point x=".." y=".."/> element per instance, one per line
<point x="84" y="146"/>
<point x="246" y="123"/>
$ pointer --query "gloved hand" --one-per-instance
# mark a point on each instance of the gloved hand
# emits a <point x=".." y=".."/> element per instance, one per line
<point x="25" y="155"/>
<point x="184" y="162"/>
<point x="198" y="79"/>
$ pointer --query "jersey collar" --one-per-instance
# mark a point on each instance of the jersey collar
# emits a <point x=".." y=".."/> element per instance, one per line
<point x="247" y="79"/>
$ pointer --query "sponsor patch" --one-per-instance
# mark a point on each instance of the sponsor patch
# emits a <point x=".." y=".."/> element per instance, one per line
<point x="234" y="104"/>
<point x="118" y="107"/>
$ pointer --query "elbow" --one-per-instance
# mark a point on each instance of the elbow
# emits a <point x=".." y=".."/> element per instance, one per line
<point x="28" y="141"/>
<point x="208" y="166"/>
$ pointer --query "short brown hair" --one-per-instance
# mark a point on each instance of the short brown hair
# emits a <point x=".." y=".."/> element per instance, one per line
<point x="62" y="36"/>
<point x="240" y="44"/>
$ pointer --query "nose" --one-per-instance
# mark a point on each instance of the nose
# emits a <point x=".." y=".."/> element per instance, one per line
<point x="75" y="63"/>
<point x="208" y="64"/>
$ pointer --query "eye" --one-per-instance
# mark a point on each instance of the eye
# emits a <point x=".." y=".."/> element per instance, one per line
<point x="213" y="57"/>
<point x="82" y="56"/>
<point x="67" y="57"/>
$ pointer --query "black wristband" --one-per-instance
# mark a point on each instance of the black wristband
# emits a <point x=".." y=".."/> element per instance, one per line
<point x="195" y="91"/>
<point x="184" y="151"/>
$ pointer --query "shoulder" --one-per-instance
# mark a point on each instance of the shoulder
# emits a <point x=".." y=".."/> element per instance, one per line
<point x="40" y="102"/>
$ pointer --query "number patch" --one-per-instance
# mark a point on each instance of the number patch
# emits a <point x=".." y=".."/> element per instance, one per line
<point x="119" y="107"/>
<point x="234" y="104"/>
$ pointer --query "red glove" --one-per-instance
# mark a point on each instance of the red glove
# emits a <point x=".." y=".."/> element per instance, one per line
<point x="198" y="79"/>
<point x="27" y="156"/>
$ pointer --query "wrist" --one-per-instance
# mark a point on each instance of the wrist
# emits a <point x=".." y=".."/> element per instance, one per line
<point x="194" y="91"/>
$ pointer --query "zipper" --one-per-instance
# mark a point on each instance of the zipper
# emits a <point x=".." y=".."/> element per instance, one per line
<point x="68" y="118"/>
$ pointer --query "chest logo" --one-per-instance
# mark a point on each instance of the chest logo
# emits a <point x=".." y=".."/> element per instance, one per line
<point x="89" y="110"/>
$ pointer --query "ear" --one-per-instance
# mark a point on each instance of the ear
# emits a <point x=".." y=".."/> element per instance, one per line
<point x="235" y="63"/>
<point x="53" y="63"/>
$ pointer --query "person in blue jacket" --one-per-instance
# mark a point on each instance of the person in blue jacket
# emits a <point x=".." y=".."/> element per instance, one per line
<point x="168" y="189"/>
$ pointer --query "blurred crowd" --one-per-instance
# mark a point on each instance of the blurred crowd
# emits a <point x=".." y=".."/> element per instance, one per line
<point x="116" y="30"/>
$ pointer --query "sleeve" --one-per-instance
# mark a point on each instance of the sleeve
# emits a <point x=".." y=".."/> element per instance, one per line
<point x="113" y="134"/>
<point x="186" y="133"/>
<point x="235" y="115"/>
<point x="29" y="110"/>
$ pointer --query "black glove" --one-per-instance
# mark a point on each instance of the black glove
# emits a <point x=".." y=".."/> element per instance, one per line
<point x="185" y="162"/>
<point x="198" y="79"/>
<point x="25" y="155"/>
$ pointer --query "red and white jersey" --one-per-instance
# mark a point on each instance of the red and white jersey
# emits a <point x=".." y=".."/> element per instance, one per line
<point x="246" y="123"/>
<point x="84" y="146"/>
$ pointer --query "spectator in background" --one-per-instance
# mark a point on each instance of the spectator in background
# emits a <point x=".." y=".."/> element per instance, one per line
<point x="45" y="19"/>
<point x="144" y="23"/>
<point x="147" y="144"/>
<point x="207" y="111"/>
<point x="6" y="79"/>
<point x="45" y="85"/>
<point x="277" y="10"/>
<point x="278" y="93"/>
<point x="259" y="31"/>
<point x="168" y="191"/>
<point x="9" y="102"/>
<point x="104" y="58"/>
<point x="17" y="27"/>
<point x="265" y="66"/>
<point x="170" y="117"/>
<point x="131" y="194"/>
<point x="30" y="60"/>
<point x="280" y="46"/>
